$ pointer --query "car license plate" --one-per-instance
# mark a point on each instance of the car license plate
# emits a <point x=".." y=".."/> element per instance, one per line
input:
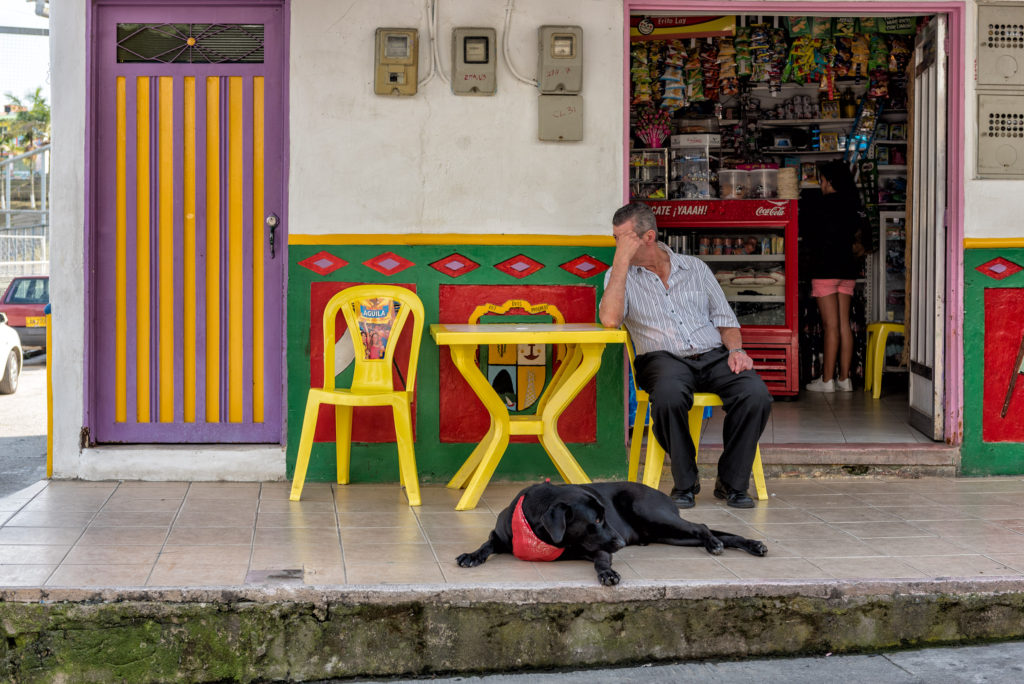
<point x="35" y="321"/>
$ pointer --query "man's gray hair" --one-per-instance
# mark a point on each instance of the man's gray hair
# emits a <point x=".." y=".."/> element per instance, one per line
<point x="641" y="215"/>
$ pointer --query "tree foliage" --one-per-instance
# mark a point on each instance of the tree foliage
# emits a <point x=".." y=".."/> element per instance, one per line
<point x="30" y="126"/>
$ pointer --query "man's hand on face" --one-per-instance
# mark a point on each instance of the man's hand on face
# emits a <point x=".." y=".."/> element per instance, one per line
<point x="627" y="242"/>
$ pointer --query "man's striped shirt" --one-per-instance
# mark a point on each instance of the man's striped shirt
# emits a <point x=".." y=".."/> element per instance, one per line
<point x="683" y="319"/>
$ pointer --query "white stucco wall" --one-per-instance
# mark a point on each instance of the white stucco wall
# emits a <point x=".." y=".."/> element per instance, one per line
<point x="67" y="219"/>
<point x="436" y="162"/>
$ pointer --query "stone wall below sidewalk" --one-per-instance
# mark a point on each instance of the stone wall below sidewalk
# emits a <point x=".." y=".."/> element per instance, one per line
<point x="305" y="633"/>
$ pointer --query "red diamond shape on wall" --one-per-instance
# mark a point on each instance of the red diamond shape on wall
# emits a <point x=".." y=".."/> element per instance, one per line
<point x="519" y="266"/>
<point x="455" y="265"/>
<point x="388" y="263"/>
<point x="585" y="266"/>
<point x="998" y="268"/>
<point x="323" y="263"/>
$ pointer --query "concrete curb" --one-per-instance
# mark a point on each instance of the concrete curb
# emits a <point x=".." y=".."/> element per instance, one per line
<point x="299" y="633"/>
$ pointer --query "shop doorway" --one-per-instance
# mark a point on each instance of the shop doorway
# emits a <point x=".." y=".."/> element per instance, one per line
<point x="917" y="197"/>
<point x="187" y="250"/>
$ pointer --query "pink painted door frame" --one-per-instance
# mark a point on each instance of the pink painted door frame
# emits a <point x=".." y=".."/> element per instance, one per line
<point x="156" y="371"/>
<point x="956" y="13"/>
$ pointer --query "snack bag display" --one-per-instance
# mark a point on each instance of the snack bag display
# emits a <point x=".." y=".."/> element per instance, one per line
<point x="821" y="27"/>
<point x="844" y="27"/>
<point x="799" y="26"/>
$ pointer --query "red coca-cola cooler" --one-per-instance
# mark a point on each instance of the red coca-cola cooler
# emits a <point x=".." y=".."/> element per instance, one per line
<point x="751" y="247"/>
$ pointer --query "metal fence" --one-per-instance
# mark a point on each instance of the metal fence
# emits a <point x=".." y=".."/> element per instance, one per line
<point x="25" y="215"/>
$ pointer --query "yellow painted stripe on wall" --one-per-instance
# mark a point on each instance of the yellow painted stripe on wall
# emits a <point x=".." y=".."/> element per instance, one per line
<point x="235" y="225"/>
<point x="993" y="243"/>
<point x="165" y="232"/>
<point x="189" y="243"/>
<point x="213" y="249"/>
<point x="121" y="259"/>
<point x="453" y="239"/>
<point x="142" y="270"/>
<point x="257" y="250"/>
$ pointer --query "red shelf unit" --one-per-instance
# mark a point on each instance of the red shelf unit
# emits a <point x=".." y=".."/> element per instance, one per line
<point x="774" y="348"/>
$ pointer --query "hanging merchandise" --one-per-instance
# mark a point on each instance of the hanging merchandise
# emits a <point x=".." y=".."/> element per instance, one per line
<point x="673" y="84"/>
<point x="800" y="64"/>
<point x="861" y="53"/>
<point x="842" y="57"/>
<point x="709" y="69"/>
<point x="728" y="79"/>
<point x="904" y="26"/>
<point x="694" y="78"/>
<point x="760" y="52"/>
<point x="656" y="64"/>
<point x="744" y="66"/>
<point x="799" y="26"/>
<point x="821" y="27"/>
<point x="778" y="61"/>
<point x="640" y="74"/>
<point x="844" y="27"/>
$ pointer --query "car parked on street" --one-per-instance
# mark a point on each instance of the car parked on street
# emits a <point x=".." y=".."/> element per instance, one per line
<point x="11" y="356"/>
<point x="23" y="302"/>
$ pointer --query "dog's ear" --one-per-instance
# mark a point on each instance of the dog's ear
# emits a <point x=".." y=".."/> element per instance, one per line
<point x="554" y="520"/>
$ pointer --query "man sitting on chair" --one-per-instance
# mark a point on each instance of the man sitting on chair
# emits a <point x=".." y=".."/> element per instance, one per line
<point x="687" y="340"/>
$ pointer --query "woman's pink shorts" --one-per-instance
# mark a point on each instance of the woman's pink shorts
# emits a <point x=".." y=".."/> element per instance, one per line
<point x="828" y="286"/>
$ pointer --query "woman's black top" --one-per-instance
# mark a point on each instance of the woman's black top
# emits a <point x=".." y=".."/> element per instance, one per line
<point x="828" y="224"/>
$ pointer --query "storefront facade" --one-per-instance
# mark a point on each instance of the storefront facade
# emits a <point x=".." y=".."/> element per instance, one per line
<point x="454" y="196"/>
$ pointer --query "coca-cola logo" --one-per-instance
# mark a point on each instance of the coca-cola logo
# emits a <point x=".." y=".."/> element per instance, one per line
<point x="770" y="211"/>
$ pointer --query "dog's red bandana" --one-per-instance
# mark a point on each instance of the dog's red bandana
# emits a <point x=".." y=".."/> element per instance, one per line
<point x="526" y="545"/>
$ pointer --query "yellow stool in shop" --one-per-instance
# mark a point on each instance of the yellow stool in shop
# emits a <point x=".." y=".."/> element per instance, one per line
<point x="654" y="459"/>
<point x="878" y="333"/>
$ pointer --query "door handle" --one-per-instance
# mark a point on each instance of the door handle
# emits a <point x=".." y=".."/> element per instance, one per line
<point x="272" y="223"/>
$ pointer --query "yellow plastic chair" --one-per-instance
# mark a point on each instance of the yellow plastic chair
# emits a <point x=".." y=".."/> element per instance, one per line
<point x="654" y="458"/>
<point x="878" y="334"/>
<point x="372" y="384"/>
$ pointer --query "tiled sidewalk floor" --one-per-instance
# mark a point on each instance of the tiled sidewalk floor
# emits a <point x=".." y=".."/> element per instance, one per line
<point x="181" y="534"/>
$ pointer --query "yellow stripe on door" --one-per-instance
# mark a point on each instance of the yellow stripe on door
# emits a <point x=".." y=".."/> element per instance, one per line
<point x="189" y="244"/>
<point x="165" y="236"/>
<point x="257" y="250"/>
<point x="213" y="249"/>
<point x="121" y="258"/>
<point x="142" y="280"/>
<point x="235" y="231"/>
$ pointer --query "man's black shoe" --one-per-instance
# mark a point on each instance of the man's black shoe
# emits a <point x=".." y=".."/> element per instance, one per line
<point x="737" y="498"/>
<point x="684" y="497"/>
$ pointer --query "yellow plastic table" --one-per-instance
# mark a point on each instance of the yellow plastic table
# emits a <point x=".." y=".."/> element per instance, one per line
<point x="584" y="342"/>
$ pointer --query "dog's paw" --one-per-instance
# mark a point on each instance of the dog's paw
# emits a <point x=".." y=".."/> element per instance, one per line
<point x="756" y="548"/>
<point x="469" y="560"/>
<point x="714" y="546"/>
<point x="608" y="577"/>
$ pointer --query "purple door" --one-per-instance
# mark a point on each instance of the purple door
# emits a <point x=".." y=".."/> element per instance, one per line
<point x="186" y="307"/>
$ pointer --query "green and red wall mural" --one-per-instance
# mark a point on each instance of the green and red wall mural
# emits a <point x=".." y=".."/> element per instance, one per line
<point x="453" y="277"/>
<point x="994" y="359"/>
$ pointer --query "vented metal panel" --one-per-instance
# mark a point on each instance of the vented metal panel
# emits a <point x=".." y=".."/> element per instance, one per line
<point x="1001" y="135"/>
<point x="1001" y="45"/>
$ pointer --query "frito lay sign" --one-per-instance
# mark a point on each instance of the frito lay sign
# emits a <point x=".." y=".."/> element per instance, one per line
<point x="663" y="28"/>
<point x="718" y="210"/>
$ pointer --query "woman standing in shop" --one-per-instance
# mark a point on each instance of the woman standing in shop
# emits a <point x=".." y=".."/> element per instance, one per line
<point x="828" y="228"/>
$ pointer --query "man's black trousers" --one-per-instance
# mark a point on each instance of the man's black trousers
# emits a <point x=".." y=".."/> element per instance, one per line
<point x="671" y="382"/>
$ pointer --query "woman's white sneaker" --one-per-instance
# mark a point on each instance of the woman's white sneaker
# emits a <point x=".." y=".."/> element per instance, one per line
<point x="819" y="385"/>
<point x="844" y="385"/>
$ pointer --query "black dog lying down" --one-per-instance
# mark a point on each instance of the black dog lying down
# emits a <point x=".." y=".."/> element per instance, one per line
<point x="593" y="521"/>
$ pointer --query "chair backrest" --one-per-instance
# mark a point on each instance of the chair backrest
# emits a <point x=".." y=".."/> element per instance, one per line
<point x="376" y="316"/>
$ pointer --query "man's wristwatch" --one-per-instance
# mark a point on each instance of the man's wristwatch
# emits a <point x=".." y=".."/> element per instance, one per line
<point x="737" y="349"/>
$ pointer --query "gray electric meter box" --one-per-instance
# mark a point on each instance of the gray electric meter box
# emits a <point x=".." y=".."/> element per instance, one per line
<point x="560" y="118"/>
<point x="1000" y="135"/>
<point x="1001" y="45"/>
<point x="560" y="60"/>
<point x="474" y="60"/>
<point x="395" y="60"/>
